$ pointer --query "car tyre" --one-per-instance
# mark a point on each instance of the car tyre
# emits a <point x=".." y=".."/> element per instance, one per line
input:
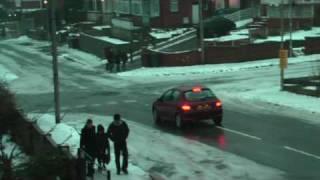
<point x="179" y="122"/>
<point x="156" y="117"/>
<point x="217" y="120"/>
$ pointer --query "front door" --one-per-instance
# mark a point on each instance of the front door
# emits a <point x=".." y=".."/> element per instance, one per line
<point x="195" y="13"/>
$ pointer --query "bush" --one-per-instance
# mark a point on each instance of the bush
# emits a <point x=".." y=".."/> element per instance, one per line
<point x="8" y="111"/>
<point x="46" y="165"/>
<point x="219" y="26"/>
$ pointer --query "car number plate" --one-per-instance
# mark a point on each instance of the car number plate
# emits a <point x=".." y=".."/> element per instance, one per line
<point x="203" y="107"/>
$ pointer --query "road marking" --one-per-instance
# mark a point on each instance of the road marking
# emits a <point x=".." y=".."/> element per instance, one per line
<point x="80" y="106"/>
<point x="130" y="101"/>
<point x="302" y="152"/>
<point x="112" y="102"/>
<point x="240" y="133"/>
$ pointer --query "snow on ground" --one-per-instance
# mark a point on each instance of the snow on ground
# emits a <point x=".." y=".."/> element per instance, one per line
<point x="199" y="161"/>
<point x="166" y="34"/>
<point x="172" y="156"/>
<point x="244" y="34"/>
<point x="67" y="133"/>
<point x="6" y="75"/>
<point x="244" y="22"/>
<point x="266" y="92"/>
<point x="296" y="35"/>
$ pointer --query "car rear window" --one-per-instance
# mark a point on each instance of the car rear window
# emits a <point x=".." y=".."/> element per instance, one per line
<point x="199" y="96"/>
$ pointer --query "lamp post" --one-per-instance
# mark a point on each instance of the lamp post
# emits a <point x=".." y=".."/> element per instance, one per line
<point x="281" y="44"/>
<point x="201" y="33"/>
<point x="55" y="62"/>
<point x="290" y="27"/>
<point x="102" y="10"/>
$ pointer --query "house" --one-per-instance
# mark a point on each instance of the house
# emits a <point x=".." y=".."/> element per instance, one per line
<point x="151" y="13"/>
<point x="303" y="13"/>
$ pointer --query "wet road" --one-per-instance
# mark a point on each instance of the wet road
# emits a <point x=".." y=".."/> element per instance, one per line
<point x="256" y="133"/>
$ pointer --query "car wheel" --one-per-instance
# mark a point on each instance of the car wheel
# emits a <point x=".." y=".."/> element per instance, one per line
<point x="179" y="121"/>
<point x="217" y="120"/>
<point x="156" y="118"/>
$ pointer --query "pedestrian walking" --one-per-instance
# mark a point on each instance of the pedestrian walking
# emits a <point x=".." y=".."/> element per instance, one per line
<point x="124" y="60"/>
<point x="109" y="55"/>
<point x="88" y="144"/>
<point x="117" y="60"/>
<point x="103" y="148"/>
<point x="118" y="132"/>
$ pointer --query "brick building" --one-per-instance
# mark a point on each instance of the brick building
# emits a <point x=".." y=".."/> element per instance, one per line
<point x="153" y="13"/>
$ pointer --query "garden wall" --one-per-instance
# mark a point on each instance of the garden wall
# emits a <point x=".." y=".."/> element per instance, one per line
<point x="213" y="55"/>
<point x="312" y="45"/>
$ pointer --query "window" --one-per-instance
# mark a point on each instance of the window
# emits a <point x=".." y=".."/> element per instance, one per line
<point x="167" y="96"/>
<point x="198" y="96"/>
<point x="175" y="95"/>
<point x="155" y="8"/>
<point x="122" y="6"/>
<point x="136" y="7"/>
<point x="174" y="5"/>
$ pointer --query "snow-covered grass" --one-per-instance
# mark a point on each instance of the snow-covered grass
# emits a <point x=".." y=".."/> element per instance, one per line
<point x="296" y="35"/>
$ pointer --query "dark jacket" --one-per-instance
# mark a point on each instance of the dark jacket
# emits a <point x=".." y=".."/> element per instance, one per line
<point x="118" y="132"/>
<point x="102" y="142"/>
<point x="88" y="140"/>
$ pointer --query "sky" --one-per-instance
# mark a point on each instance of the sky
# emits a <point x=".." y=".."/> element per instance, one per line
<point x="199" y="161"/>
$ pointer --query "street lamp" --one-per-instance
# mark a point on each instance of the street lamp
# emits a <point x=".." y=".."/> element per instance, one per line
<point x="102" y="9"/>
<point x="55" y="62"/>
<point x="290" y="27"/>
<point x="201" y="33"/>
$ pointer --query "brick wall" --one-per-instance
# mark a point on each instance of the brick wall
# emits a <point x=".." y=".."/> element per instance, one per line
<point x="213" y="55"/>
<point x="95" y="46"/>
<point x="312" y="45"/>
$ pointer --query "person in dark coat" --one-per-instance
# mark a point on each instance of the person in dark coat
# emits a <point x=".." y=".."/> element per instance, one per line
<point x="118" y="132"/>
<point x="103" y="147"/>
<point x="109" y="55"/>
<point x="117" y="60"/>
<point x="88" y="144"/>
<point x="124" y="60"/>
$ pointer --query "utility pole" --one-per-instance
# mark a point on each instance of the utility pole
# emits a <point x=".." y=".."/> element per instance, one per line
<point x="55" y="62"/>
<point x="281" y="44"/>
<point x="290" y="27"/>
<point x="201" y="33"/>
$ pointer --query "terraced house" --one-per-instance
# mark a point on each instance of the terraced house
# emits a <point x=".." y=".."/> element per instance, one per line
<point x="153" y="13"/>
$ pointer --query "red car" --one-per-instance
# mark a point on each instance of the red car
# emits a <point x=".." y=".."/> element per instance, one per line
<point x="187" y="103"/>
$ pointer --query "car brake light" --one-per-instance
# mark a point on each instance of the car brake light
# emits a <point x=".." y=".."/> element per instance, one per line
<point x="186" y="107"/>
<point x="218" y="104"/>
<point x="196" y="89"/>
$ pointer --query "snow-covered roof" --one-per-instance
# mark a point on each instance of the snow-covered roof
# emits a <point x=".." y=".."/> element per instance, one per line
<point x="101" y="27"/>
<point x="164" y="34"/>
<point x="278" y="2"/>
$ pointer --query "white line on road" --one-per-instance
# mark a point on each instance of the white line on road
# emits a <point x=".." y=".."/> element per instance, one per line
<point x="302" y="152"/>
<point x="112" y="102"/>
<point x="240" y="133"/>
<point x="130" y="101"/>
<point x="80" y="106"/>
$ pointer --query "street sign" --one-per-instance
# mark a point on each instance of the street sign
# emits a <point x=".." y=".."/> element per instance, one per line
<point x="283" y="55"/>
